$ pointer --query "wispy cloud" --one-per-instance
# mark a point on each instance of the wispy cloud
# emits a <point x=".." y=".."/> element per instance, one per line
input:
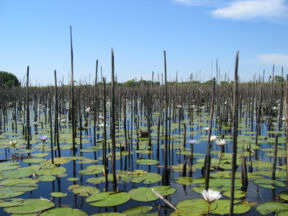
<point x="211" y="3"/>
<point x="252" y="9"/>
<point x="274" y="58"/>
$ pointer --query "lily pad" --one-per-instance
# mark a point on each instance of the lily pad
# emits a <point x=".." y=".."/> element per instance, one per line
<point x="82" y="190"/>
<point x="147" y="162"/>
<point x="58" y="194"/>
<point x="31" y="206"/>
<point x="108" y="199"/>
<point x="270" y="207"/>
<point x="145" y="194"/>
<point x="64" y="211"/>
<point x="137" y="210"/>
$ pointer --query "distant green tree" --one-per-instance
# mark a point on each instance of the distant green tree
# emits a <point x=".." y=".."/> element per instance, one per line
<point x="279" y="79"/>
<point x="8" y="79"/>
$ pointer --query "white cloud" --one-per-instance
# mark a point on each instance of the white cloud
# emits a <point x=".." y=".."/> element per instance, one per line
<point x="199" y="2"/>
<point x="274" y="58"/>
<point x="252" y="9"/>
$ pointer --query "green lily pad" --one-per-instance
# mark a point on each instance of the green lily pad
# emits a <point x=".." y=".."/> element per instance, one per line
<point x="11" y="202"/>
<point x="82" y="190"/>
<point x="237" y="194"/>
<point x="19" y="173"/>
<point x="149" y="178"/>
<point x="72" y="179"/>
<point x="270" y="207"/>
<point x="34" y="160"/>
<point x="46" y="178"/>
<point x="147" y="162"/>
<point x="284" y="195"/>
<point x="58" y="194"/>
<point x="184" y="180"/>
<point x="92" y="170"/>
<point x="108" y="199"/>
<point x="137" y="210"/>
<point x="109" y="214"/>
<point x="222" y="207"/>
<point x="9" y="192"/>
<point x="145" y="194"/>
<point x="30" y="206"/>
<point x="192" y="206"/>
<point x="64" y="211"/>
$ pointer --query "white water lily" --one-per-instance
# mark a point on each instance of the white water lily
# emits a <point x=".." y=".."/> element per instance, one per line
<point x="13" y="142"/>
<point x="192" y="141"/>
<point x="206" y="128"/>
<point x="221" y="142"/>
<point x="213" y="137"/>
<point x="211" y="195"/>
<point x="101" y="125"/>
<point x="87" y="109"/>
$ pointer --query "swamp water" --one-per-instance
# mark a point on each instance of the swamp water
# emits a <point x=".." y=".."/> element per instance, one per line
<point x="30" y="183"/>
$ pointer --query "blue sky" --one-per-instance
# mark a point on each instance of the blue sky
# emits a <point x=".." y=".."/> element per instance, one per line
<point x="194" y="34"/>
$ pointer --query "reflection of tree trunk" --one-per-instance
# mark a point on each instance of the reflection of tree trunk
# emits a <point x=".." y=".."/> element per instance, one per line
<point x="104" y="157"/>
<point x="207" y="162"/>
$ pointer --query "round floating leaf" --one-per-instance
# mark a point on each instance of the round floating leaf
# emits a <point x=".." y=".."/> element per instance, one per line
<point x="108" y="199"/>
<point x="109" y="214"/>
<point x="92" y="170"/>
<point x="12" y="202"/>
<point x="284" y="195"/>
<point x="149" y="178"/>
<point x="145" y="194"/>
<point x="237" y="194"/>
<point x="137" y="210"/>
<point x="31" y="206"/>
<point x="282" y="213"/>
<point x="82" y="190"/>
<point x="63" y="211"/>
<point x="9" y="192"/>
<point x="270" y="207"/>
<point x="191" y="206"/>
<point x="222" y="207"/>
<point x="46" y="178"/>
<point x="184" y="180"/>
<point x="34" y="160"/>
<point x="52" y="171"/>
<point x="147" y="162"/>
<point x="58" y="194"/>
<point x="19" y="173"/>
<point x="61" y="160"/>
<point x="40" y="155"/>
<point x="19" y="182"/>
<point x="72" y="179"/>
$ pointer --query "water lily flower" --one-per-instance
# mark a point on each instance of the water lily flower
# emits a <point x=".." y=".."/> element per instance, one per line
<point x="101" y="125"/>
<point x="35" y="123"/>
<point x="43" y="138"/>
<point x="87" y="109"/>
<point x="206" y="128"/>
<point x="211" y="195"/>
<point x="179" y="106"/>
<point x="213" y="137"/>
<point x="63" y="121"/>
<point x="221" y="142"/>
<point x="13" y="142"/>
<point x="283" y="119"/>
<point x="192" y="141"/>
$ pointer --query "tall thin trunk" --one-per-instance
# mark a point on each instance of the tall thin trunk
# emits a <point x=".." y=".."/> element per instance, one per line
<point x="113" y="161"/>
<point x="72" y="96"/>
<point x="28" y="128"/>
<point x="56" y="121"/>
<point x="235" y="132"/>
